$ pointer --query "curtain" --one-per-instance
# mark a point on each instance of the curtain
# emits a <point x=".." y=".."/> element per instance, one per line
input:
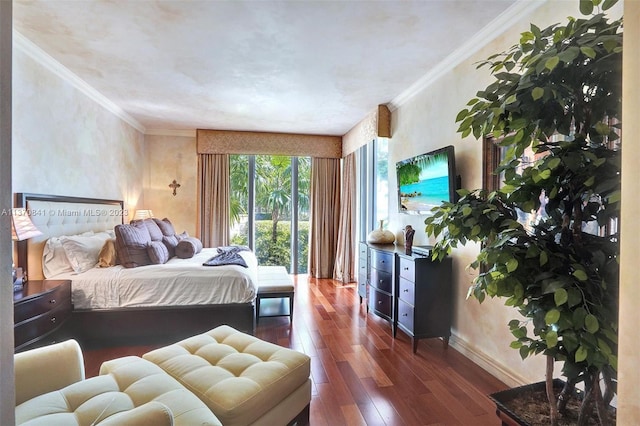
<point x="324" y="216"/>
<point x="344" y="269"/>
<point x="213" y="199"/>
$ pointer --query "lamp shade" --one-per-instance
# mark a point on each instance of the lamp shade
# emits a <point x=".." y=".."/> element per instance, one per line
<point x="143" y="214"/>
<point x="21" y="226"/>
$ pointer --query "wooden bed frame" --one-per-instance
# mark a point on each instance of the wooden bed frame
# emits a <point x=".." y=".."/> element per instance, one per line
<point x="135" y="326"/>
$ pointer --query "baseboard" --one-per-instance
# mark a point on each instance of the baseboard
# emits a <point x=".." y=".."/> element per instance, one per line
<point x="486" y="362"/>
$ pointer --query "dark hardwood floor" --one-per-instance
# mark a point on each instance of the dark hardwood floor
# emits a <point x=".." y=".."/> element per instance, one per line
<point x="360" y="374"/>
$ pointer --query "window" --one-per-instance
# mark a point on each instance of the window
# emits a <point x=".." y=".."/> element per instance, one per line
<point x="270" y="208"/>
<point x="373" y="178"/>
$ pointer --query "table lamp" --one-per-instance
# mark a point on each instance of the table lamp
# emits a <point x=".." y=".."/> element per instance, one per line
<point x="143" y="214"/>
<point x="21" y="229"/>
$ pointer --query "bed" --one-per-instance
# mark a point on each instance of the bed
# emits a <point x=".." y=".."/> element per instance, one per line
<point x="151" y="304"/>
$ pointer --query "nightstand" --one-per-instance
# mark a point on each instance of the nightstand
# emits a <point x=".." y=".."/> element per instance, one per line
<point x="40" y="310"/>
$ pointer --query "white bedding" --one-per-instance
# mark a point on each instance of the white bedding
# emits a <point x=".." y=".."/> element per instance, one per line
<point x="179" y="282"/>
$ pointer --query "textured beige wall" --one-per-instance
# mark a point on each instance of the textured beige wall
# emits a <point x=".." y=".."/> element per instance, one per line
<point x="427" y="122"/>
<point x="168" y="158"/>
<point x="66" y="144"/>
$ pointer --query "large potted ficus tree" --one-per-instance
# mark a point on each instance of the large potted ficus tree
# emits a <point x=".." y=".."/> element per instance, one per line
<point x="554" y="111"/>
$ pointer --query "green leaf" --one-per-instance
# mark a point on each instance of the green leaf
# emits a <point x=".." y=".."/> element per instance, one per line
<point x="524" y="351"/>
<point x="462" y="115"/>
<point x="543" y="258"/>
<point x="560" y="296"/>
<point x="580" y="275"/>
<point x="551" y="338"/>
<point x="552" y="62"/>
<point x="511" y="99"/>
<point x="588" y="51"/>
<point x="591" y="323"/>
<point x="581" y="354"/>
<point x="574" y="297"/>
<point x="552" y="317"/>
<point x="608" y="4"/>
<point x="512" y="265"/>
<point x="586" y="7"/>
<point x="515" y="344"/>
<point x="537" y="93"/>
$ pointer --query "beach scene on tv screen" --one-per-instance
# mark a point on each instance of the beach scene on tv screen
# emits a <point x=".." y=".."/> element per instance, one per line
<point x="423" y="182"/>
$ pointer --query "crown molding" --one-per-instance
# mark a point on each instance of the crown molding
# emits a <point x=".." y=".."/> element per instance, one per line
<point x="184" y="133"/>
<point x="44" y="59"/>
<point x="488" y="33"/>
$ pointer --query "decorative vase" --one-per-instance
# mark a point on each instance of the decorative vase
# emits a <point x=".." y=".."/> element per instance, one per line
<point x="381" y="236"/>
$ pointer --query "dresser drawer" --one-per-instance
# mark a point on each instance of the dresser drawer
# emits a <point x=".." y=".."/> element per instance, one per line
<point x="381" y="280"/>
<point x="407" y="269"/>
<point x="382" y="261"/>
<point x="405" y="315"/>
<point x="407" y="291"/>
<point x="381" y="303"/>
<point x="42" y="303"/>
<point x="40" y="325"/>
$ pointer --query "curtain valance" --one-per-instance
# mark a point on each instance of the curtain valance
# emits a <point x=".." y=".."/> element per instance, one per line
<point x="241" y="142"/>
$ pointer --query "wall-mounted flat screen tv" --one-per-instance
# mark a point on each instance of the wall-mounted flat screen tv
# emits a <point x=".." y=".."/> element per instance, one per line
<point x="426" y="180"/>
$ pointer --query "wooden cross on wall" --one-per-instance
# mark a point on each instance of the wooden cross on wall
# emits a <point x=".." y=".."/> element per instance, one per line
<point x="174" y="185"/>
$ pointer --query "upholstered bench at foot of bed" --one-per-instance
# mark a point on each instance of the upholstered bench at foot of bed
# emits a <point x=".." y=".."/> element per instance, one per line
<point x="242" y="379"/>
<point x="274" y="282"/>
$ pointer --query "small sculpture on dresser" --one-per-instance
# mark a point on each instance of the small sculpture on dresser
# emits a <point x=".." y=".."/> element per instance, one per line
<point x="408" y="238"/>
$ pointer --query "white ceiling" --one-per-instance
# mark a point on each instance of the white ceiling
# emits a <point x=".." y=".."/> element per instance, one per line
<point x="316" y="67"/>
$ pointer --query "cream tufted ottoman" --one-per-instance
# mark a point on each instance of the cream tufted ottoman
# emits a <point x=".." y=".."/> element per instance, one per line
<point x="242" y="379"/>
<point x="128" y="391"/>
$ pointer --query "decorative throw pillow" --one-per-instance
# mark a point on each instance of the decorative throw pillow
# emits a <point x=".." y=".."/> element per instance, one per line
<point x="152" y="227"/>
<point x="82" y="252"/>
<point x="108" y="255"/>
<point x="188" y="247"/>
<point x="171" y="241"/>
<point x="158" y="252"/>
<point x="165" y="226"/>
<point x="182" y="236"/>
<point x="131" y="245"/>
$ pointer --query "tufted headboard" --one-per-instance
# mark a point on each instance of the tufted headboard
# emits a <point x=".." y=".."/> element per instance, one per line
<point x="56" y="215"/>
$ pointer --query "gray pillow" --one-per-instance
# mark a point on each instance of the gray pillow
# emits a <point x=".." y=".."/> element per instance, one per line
<point x="158" y="252"/>
<point x="131" y="245"/>
<point x="152" y="227"/>
<point x="165" y="226"/>
<point x="188" y="247"/>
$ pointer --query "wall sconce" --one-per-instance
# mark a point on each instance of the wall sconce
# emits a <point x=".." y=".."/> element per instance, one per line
<point x="21" y="229"/>
<point x="143" y="214"/>
<point x="174" y="185"/>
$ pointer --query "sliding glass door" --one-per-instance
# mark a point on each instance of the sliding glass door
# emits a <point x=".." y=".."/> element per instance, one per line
<point x="270" y="208"/>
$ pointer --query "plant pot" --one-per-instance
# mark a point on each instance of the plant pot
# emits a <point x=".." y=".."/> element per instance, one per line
<point x="503" y="399"/>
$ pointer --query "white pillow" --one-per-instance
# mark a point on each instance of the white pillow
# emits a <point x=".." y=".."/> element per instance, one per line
<point x="54" y="258"/>
<point x="83" y="251"/>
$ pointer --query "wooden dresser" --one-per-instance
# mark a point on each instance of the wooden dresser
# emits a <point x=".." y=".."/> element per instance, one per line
<point x="40" y="310"/>
<point x="410" y="291"/>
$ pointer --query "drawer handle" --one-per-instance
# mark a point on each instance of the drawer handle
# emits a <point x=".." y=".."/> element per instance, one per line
<point x="404" y="315"/>
<point x="379" y="302"/>
<point x="53" y="320"/>
<point x="382" y="261"/>
<point x="381" y="281"/>
<point x="406" y="290"/>
<point x="406" y="268"/>
<point x="52" y="301"/>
